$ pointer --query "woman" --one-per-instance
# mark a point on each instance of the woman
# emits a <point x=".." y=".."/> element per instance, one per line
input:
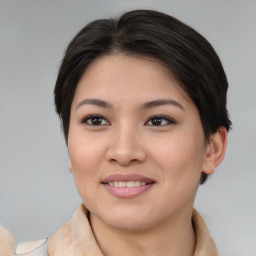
<point x="142" y="101"/>
<point x="6" y="242"/>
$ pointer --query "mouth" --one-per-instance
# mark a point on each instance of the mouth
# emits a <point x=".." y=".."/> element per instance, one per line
<point x="127" y="185"/>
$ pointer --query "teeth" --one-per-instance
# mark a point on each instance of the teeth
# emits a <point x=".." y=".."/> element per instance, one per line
<point x="126" y="184"/>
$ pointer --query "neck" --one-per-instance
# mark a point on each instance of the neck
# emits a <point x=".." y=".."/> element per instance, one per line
<point x="174" y="236"/>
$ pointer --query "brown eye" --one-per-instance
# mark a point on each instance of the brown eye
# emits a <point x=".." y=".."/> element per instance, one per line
<point x="95" y="120"/>
<point x="156" y="121"/>
<point x="159" y="121"/>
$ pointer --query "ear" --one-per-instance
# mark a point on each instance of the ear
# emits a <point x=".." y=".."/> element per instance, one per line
<point x="70" y="166"/>
<point x="215" y="150"/>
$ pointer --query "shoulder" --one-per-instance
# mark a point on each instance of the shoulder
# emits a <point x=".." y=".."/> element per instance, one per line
<point x="6" y="242"/>
<point x="32" y="248"/>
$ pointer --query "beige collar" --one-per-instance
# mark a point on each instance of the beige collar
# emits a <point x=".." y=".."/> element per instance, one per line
<point x="6" y="242"/>
<point x="205" y="245"/>
<point x="75" y="238"/>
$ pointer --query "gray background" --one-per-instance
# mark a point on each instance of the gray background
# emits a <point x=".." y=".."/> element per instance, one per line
<point x="37" y="193"/>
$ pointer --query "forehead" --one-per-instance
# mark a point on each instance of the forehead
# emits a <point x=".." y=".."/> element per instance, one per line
<point x="122" y="77"/>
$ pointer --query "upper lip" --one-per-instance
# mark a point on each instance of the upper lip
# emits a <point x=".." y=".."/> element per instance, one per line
<point x="127" y="177"/>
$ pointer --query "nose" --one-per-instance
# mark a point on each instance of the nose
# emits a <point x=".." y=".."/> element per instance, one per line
<point x="126" y="148"/>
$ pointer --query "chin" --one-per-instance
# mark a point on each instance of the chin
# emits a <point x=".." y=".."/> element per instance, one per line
<point x="128" y="224"/>
<point x="126" y="219"/>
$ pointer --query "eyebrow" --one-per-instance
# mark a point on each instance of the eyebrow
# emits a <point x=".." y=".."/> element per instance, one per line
<point x="147" y="105"/>
<point x="161" y="102"/>
<point x="97" y="102"/>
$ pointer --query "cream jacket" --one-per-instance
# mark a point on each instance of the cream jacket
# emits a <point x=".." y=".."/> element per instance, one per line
<point x="6" y="242"/>
<point x="75" y="238"/>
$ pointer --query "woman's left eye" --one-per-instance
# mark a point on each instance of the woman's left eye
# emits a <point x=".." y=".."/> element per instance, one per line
<point x="159" y="121"/>
<point x="95" y="120"/>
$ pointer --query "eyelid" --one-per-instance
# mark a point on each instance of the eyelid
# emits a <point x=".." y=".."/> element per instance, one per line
<point x="88" y="117"/>
<point x="163" y="117"/>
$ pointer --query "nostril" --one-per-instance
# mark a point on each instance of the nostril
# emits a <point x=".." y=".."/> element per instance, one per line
<point x="123" y="159"/>
<point x="125" y="153"/>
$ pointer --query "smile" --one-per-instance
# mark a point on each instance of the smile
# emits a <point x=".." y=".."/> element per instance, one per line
<point x="127" y="185"/>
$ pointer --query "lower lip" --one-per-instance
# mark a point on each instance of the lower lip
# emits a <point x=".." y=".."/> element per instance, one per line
<point x="127" y="192"/>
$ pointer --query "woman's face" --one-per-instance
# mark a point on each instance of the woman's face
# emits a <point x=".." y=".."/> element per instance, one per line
<point x="136" y="143"/>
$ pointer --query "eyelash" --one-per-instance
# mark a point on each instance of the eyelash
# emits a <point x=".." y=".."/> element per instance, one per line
<point x="94" y="116"/>
<point x="157" y="118"/>
<point x="168" y="120"/>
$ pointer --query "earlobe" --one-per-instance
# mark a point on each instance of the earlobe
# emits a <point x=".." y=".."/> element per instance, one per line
<point x="70" y="166"/>
<point x="215" y="151"/>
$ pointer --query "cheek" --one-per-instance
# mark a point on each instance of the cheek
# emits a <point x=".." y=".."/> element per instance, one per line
<point x="179" y="155"/>
<point x="85" y="154"/>
<point x="84" y="170"/>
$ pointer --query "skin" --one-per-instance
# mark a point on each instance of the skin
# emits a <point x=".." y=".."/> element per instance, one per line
<point x="6" y="242"/>
<point x="173" y="153"/>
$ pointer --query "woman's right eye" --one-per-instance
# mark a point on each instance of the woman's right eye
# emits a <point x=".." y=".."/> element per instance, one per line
<point x="95" y="120"/>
